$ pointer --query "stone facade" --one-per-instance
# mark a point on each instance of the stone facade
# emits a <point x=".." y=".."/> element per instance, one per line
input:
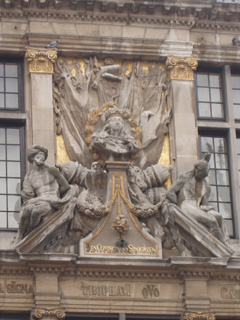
<point x="180" y="36"/>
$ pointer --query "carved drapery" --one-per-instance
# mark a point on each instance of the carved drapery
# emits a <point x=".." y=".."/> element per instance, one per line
<point x="48" y="314"/>
<point x="181" y="68"/>
<point x="198" y="316"/>
<point x="83" y="85"/>
<point x="41" y="60"/>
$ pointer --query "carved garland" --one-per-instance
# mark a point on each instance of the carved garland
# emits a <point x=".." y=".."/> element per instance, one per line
<point x="181" y="68"/>
<point x="41" y="61"/>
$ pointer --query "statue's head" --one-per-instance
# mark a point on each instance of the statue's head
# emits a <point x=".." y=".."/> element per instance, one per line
<point x="35" y="150"/>
<point x="201" y="168"/>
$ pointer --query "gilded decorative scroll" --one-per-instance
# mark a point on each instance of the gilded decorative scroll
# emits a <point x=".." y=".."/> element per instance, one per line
<point x="48" y="314"/>
<point x="41" y="61"/>
<point x="181" y="68"/>
<point x="198" y="316"/>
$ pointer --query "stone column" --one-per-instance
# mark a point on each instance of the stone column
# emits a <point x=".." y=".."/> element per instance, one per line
<point x="41" y="67"/>
<point x="183" y="131"/>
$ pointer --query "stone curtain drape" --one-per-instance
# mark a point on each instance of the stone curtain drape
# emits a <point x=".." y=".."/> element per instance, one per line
<point x="80" y="89"/>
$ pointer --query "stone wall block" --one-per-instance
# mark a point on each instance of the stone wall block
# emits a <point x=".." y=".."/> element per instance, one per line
<point x="87" y="29"/>
<point x="133" y="32"/>
<point x="41" y="26"/>
<point x="110" y="31"/>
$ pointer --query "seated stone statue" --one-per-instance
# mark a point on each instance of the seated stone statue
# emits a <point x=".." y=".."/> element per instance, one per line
<point x="191" y="193"/>
<point x="113" y="142"/>
<point x="44" y="189"/>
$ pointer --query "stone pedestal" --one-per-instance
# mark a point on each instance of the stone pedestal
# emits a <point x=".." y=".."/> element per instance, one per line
<point x="109" y="239"/>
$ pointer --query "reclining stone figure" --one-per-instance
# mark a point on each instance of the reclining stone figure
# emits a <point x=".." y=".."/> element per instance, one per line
<point x="44" y="189"/>
<point x="191" y="193"/>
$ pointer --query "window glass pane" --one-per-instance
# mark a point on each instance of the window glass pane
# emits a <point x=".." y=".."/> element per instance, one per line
<point x="3" y="219"/>
<point x="13" y="169"/>
<point x="204" y="110"/>
<point x="12" y="136"/>
<point x="219" y="144"/>
<point x="202" y="80"/>
<point x="203" y="94"/>
<point x="11" y="70"/>
<point x="3" y="185"/>
<point x="217" y="110"/>
<point x="229" y="225"/>
<point x="1" y="85"/>
<point x="2" y="152"/>
<point x="225" y="210"/>
<point x="11" y="101"/>
<point x="13" y="153"/>
<point x="13" y="218"/>
<point x="2" y="104"/>
<point x="236" y="110"/>
<point x="2" y="169"/>
<point x="221" y="161"/>
<point x="216" y="95"/>
<point x="236" y="82"/>
<point x="3" y="202"/>
<point x="222" y="177"/>
<point x="212" y="162"/>
<point x="14" y="186"/>
<point x="224" y="194"/>
<point x="14" y="203"/>
<point x="236" y="96"/>
<point x="213" y="194"/>
<point x="11" y="85"/>
<point x="1" y="70"/>
<point x="2" y="135"/>
<point x="207" y="144"/>
<point x="215" y="80"/>
<point x="211" y="177"/>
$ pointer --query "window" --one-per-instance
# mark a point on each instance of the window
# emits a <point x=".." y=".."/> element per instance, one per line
<point x="12" y="142"/>
<point x="218" y="115"/>
<point x="209" y="95"/>
<point x="218" y="177"/>
<point x="11" y="86"/>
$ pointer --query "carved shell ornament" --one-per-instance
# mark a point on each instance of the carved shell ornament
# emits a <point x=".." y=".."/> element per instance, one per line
<point x="98" y="117"/>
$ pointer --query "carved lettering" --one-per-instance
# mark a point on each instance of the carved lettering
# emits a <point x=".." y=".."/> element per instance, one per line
<point x="106" y="290"/>
<point x="230" y="292"/>
<point x="21" y="288"/>
<point x="150" y="291"/>
<point x="129" y="249"/>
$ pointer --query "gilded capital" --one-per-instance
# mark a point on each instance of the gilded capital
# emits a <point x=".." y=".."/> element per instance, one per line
<point x="41" y="60"/>
<point x="48" y="314"/>
<point x="198" y="316"/>
<point x="181" y="68"/>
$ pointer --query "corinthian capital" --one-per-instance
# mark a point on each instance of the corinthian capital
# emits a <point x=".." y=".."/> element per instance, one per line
<point x="41" y="60"/>
<point x="181" y="68"/>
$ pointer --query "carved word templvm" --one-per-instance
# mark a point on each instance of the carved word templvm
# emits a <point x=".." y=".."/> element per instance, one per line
<point x="150" y="291"/>
<point x="106" y="290"/>
<point x="230" y="292"/>
<point x="130" y="249"/>
<point x="15" y="287"/>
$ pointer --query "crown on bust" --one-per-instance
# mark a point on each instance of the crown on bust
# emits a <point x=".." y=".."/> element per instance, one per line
<point x="114" y="112"/>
